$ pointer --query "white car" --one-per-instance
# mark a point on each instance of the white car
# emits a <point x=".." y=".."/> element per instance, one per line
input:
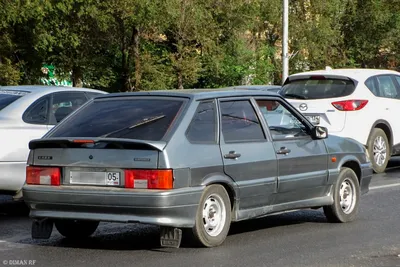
<point x="26" y="113"/>
<point x="362" y="104"/>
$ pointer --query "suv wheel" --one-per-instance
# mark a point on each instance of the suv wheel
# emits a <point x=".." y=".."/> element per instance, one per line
<point x="213" y="217"/>
<point x="379" y="150"/>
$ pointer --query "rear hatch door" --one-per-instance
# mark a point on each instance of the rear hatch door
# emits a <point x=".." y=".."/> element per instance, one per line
<point x="313" y="95"/>
<point x="96" y="144"/>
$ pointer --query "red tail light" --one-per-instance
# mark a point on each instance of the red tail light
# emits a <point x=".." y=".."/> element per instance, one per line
<point x="43" y="175"/>
<point x="149" y="179"/>
<point x="350" y="105"/>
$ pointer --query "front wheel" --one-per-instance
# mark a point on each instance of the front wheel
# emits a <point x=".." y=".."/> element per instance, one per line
<point x="346" y="195"/>
<point x="213" y="217"/>
<point x="379" y="150"/>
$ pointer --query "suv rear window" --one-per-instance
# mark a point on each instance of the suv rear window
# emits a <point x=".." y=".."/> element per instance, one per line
<point x="317" y="88"/>
<point x="140" y="118"/>
<point x="7" y="97"/>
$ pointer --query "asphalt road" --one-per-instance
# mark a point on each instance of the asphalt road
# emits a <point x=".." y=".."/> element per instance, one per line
<point x="301" y="238"/>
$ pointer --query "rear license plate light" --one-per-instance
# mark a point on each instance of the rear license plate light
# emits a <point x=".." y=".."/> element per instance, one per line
<point x="43" y="175"/>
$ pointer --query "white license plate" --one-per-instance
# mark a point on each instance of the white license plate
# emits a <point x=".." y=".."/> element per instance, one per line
<point x="314" y="119"/>
<point x="95" y="178"/>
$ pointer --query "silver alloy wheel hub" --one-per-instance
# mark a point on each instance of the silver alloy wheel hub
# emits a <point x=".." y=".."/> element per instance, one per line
<point x="379" y="150"/>
<point x="347" y="196"/>
<point x="214" y="215"/>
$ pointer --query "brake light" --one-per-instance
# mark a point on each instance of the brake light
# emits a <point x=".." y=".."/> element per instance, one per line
<point x="350" y="105"/>
<point x="43" y="175"/>
<point x="149" y="179"/>
<point x="83" y="141"/>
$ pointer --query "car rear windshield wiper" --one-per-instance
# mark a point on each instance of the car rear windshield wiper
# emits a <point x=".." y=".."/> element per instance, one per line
<point x="141" y="122"/>
<point x="295" y="96"/>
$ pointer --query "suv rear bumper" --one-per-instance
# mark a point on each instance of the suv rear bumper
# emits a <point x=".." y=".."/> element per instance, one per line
<point x="175" y="208"/>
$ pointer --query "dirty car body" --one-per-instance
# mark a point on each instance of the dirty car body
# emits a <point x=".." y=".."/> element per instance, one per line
<point x="150" y="157"/>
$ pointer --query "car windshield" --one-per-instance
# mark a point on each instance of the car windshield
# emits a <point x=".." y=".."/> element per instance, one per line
<point x="317" y="88"/>
<point x="7" y="97"/>
<point x="140" y="118"/>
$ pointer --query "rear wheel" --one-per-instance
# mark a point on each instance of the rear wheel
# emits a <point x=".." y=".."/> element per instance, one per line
<point x="379" y="150"/>
<point x="76" y="228"/>
<point x="213" y="217"/>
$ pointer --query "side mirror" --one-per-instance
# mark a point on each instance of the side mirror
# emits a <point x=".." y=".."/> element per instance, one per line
<point x="319" y="132"/>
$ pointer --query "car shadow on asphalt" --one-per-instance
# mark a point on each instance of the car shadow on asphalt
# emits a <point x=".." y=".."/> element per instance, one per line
<point x="146" y="237"/>
<point x="278" y="220"/>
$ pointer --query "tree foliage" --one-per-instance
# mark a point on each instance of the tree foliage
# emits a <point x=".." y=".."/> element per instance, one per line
<point x="129" y="45"/>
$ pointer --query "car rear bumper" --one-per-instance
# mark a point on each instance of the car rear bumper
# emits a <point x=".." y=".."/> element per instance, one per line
<point x="175" y="208"/>
<point x="366" y="176"/>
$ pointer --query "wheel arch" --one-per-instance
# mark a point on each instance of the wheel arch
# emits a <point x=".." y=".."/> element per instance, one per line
<point x="229" y="185"/>
<point x="354" y="165"/>
<point x="384" y="126"/>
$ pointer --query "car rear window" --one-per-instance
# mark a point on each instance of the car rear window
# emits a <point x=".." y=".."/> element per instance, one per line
<point x="140" y="118"/>
<point x="317" y="88"/>
<point x="7" y="97"/>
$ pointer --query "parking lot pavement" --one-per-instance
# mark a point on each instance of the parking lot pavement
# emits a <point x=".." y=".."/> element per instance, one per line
<point x="301" y="238"/>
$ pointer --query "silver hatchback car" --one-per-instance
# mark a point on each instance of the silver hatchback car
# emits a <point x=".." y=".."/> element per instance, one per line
<point x="190" y="161"/>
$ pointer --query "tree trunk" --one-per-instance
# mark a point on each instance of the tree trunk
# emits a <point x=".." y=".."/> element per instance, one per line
<point x="77" y="77"/>
<point x="125" y="70"/>
<point x="136" y="53"/>
<point x="180" y="80"/>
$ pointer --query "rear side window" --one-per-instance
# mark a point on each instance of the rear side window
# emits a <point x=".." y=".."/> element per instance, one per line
<point x="7" y="97"/>
<point x="143" y="119"/>
<point x="202" y="129"/>
<point x="386" y="86"/>
<point x="317" y="88"/>
<point x="239" y="122"/>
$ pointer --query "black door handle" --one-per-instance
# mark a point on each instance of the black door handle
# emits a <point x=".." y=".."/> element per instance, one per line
<point x="283" y="150"/>
<point x="232" y="155"/>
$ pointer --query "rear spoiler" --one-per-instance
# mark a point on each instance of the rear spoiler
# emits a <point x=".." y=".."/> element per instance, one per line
<point x="326" y="76"/>
<point x="78" y="141"/>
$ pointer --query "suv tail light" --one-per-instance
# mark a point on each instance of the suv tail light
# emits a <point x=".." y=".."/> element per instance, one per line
<point x="43" y="175"/>
<point x="149" y="179"/>
<point x="350" y="105"/>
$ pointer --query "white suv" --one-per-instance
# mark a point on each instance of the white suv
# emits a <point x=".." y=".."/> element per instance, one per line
<point x="362" y="104"/>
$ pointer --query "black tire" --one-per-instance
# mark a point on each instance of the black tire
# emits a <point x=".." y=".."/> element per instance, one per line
<point x="335" y="213"/>
<point x="376" y="133"/>
<point x="198" y="234"/>
<point x="76" y="229"/>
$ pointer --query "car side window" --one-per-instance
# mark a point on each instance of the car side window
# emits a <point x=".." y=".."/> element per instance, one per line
<point x="65" y="103"/>
<point x="38" y="112"/>
<point x="371" y="85"/>
<point x="397" y="78"/>
<point x="387" y="87"/>
<point x="202" y="128"/>
<point x="239" y="122"/>
<point x="282" y="123"/>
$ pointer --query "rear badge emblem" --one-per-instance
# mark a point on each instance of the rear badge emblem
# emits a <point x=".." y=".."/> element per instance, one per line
<point x="90" y="157"/>
<point x="45" y="157"/>
<point x="303" y="107"/>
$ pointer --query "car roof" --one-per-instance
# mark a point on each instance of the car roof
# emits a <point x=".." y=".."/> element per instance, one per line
<point x="256" y="87"/>
<point x="357" y="74"/>
<point x="197" y="94"/>
<point x="43" y="89"/>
